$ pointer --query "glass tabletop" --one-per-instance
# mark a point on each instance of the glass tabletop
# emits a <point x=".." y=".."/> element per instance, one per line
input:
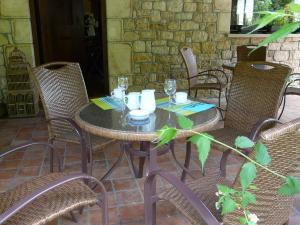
<point x="91" y="118"/>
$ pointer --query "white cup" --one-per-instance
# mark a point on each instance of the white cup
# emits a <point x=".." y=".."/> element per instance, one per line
<point x="132" y="100"/>
<point x="181" y="97"/>
<point x="117" y="93"/>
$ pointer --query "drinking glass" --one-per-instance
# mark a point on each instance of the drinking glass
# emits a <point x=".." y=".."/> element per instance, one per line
<point x="123" y="84"/>
<point x="170" y="88"/>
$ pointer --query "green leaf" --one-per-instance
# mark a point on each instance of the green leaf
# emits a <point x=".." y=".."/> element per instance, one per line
<point x="291" y="187"/>
<point x="184" y="122"/>
<point x="253" y="187"/>
<point x="166" y="134"/>
<point x="228" y="206"/>
<point x="247" y="198"/>
<point x="203" y="144"/>
<point x="243" y="142"/>
<point x="247" y="175"/>
<point x="243" y="220"/>
<point x="261" y="155"/>
<point x="225" y="189"/>
<point x="268" y="18"/>
<point x="282" y="32"/>
<point x="294" y="7"/>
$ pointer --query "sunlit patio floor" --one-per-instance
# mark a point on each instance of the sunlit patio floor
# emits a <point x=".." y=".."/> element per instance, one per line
<point x="125" y="192"/>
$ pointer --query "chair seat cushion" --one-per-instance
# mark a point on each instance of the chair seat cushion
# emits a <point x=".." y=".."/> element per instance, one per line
<point x="226" y="135"/>
<point x="215" y="86"/>
<point x="205" y="189"/>
<point x="50" y="205"/>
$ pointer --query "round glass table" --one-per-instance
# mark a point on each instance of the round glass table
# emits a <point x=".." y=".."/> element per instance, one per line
<point x="118" y="125"/>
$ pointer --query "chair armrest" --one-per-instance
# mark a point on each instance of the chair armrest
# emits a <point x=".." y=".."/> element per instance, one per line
<point x="21" y="146"/>
<point x="218" y="71"/>
<point x="197" y="204"/>
<point x="31" y="197"/>
<point x="207" y="75"/>
<point x="257" y="128"/>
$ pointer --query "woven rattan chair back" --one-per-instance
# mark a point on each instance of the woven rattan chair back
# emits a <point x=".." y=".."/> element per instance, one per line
<point x="283" y="145"/>
<point x="244" y="50"/>
<point x="63" y="92"/>
<point x="190" y="63"/>
<point x="254" y="94"/>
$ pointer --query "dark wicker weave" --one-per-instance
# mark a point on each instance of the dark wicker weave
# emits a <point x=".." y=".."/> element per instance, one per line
<point x="214" y="79"/>
<point x="45" y="198"/>
<point x="196" y="200"/>
<point x="63" y="93"/>
<point x="254" y="95"/>
<point x="244" y="50"/>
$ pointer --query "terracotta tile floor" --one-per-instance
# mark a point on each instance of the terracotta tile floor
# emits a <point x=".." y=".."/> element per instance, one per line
<point x="125" y="192"/>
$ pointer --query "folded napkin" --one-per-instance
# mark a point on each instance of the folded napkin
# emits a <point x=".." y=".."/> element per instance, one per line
<point x="191" y="107"/>
<point x="108" y="102"/>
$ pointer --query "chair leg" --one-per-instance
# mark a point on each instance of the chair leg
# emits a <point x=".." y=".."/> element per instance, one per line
<point x="196" y="93"/>
<point x="105" y="217"/>
<point x="50" y="141"/>
<point x="223" y="162"/>
<point x="149" y="204"/>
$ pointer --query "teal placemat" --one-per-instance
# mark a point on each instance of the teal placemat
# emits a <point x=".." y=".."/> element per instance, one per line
<point x="184" y="109"/>
<point x="108" y="102"/>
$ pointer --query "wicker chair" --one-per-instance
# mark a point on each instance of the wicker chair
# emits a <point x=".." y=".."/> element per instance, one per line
<point x="254" y="95"/>
<point x="196" y="200"/>
<point x="63" y="93"/>
<point x="214" y="79"/>
<point x="244" y="50"/>
<point x="45" y="198"/>
<point x="292" y="88"/>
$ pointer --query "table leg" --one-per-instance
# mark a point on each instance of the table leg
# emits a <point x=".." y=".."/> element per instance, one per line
<point x="187" y="159"/>
<point x="142" y="154"/>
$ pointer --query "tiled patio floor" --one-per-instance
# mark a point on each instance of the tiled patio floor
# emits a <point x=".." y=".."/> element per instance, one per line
<point x="125" y="192"/>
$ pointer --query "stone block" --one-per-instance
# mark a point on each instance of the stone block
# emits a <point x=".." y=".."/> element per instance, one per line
<point x="160" y="6"/>
<point x="208" y="47"/>
<point x="142" y="24"/>
<point x="131" y="36"/>
<point x="274" y="46"/>
<point x="155" y="17"/>
<point x="184" y="16"/>
<point x="289" y="46"/>
<point x="224" y="22"/>
<point x="199" y="36"/>
<point x="2" y="62"/>
<point x="114" y="29"/>
<point x="189" y="25"/>
<point x="161" y="50"/>
<point x="179" y="36"/>
<point x="117" y="8"/>
<point x="190" y="7"/>
<point x="223" y="5"/>
<point x="174" y="26"/>
<point x="198" y="17"/>
<point x="128" y="24"/>
<point x="139" y="46"/>
<point x="296" y="55"/>
<point x="119" y="58"/>
<point x="5" y="26"/>
<point x="147" y="5"/>
<point x="22" y="31"/>
<point x="175" y="5"/>
<point x="281" y="56"/>
<point x="147" y="35"/>
<point x="227" y="54"/>
<point x="3" y="39"/>
<point x="15" y="8"/>
<point x="148" y="68"/>
<point x="167" y="35"/>
<point x="142" y="57"/>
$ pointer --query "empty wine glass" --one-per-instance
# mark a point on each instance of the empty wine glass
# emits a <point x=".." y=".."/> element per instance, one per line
<point x="170" y="88"/>
<point x="123" y="83"/>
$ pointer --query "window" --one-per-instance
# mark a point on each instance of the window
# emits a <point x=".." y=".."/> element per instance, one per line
<point x="243" y="14"/>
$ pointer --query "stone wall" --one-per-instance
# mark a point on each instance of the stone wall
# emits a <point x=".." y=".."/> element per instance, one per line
<point x="15" y="30"/>
<point x="145" y="37"/>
